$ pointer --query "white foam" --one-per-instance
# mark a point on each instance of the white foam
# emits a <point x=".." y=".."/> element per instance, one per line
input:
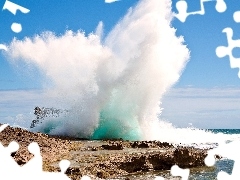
<point x="122" y="77"/>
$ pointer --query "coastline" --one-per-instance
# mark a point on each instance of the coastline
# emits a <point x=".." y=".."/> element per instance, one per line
<point x="102" y="159"/>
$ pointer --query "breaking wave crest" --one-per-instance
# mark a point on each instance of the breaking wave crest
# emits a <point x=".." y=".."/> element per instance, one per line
<point x="112" y="86"/>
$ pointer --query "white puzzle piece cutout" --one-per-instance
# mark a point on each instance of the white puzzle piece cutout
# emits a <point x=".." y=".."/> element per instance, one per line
<point x="182" y="8"/>
<point x="12" y="7"/>
<point x="177" y="171"/>
<point x="9" y="169"/>
<point x="230" y="151"/>
<point x="222" y="51"/>
<point x="159" y="178"/>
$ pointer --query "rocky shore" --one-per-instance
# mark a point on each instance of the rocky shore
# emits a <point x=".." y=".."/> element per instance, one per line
<point x="105" y="159"/>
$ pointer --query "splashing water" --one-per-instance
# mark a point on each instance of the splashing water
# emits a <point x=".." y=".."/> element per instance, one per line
<point x="112" y="87"/>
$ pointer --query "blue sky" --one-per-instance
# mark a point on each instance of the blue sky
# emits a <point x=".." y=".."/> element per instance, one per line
<point x="207" y="80"/>
<point x="203" y="33"/>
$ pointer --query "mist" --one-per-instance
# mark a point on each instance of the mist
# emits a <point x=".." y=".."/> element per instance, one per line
<point x="111" y="85"/>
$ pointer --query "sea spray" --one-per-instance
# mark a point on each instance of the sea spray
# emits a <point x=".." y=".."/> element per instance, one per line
<point x="112" y="86"/>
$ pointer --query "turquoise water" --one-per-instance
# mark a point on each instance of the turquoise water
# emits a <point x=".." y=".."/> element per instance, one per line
<point x="113" y="127"/>
<point x="225" y="131"/>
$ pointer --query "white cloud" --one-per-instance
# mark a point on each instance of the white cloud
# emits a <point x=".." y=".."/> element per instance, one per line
<point x="204" y="108"/>
<point x="16" y="106"/>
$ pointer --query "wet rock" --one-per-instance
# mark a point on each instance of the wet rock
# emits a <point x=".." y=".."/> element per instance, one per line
<point x="150" y="144"/>
<point x="113" y="146"/>
<point x="135" y="164"/>
<point x="189" y="157"/>
<point x="140" y="144"/>
<point x="164" y="144"/>
<point x="161" y="161"/>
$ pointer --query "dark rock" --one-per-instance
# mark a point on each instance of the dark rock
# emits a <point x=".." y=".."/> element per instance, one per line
<point x="150" y="144"/>
<point x="135" y="164"/>
<point x="164" y="144"/>
<point x="73" y="170"/>
<point x="161" y="161"/>
<point x="140" y="144"/>
<point x="102" y="174"/>
<point x="114" y="146"/>
<point x="189" y="157"/>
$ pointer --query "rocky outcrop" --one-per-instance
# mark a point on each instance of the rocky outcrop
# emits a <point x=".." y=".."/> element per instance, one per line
<point x="113" y="146"/>
<point x="51" y="148"/>
<point x="102" y="159"/>
<point x="150" y="144"/>
<point x="117" y="158"/>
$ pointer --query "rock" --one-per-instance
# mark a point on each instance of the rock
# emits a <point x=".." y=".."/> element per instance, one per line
<point x="113" y="146"/>
<point x="161" y="161"/>
<point x="140" y="144"/>
<point x="97" y="158"/>
<point x="189" y="157"/>
<point x="150" y="144"/>
<point x="102" y="174"/>
<point x="51" y="148"/>
<point x="134" y="164"/>
<point x="164" y="144"/>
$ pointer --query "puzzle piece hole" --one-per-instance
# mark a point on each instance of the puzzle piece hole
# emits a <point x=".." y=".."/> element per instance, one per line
<point x="236" y="52"/>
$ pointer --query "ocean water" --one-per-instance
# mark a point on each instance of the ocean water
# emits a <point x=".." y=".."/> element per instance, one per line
<point x="225" y="131"/>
